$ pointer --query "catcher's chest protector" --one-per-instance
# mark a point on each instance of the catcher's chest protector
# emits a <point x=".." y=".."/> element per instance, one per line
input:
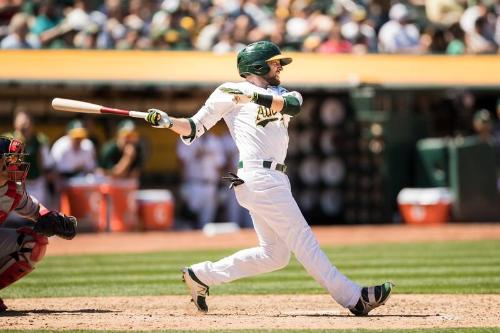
<point x="10" y="195"/>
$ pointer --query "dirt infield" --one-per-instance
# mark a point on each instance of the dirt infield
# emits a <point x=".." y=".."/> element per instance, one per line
<point x="254" y="312"/>
<point x="249" y="312"/>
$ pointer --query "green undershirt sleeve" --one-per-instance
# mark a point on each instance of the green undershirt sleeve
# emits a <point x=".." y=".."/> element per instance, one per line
<point x="292" y="105"/>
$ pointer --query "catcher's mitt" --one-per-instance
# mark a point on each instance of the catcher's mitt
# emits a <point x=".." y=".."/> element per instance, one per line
<point x="55" y="223"/>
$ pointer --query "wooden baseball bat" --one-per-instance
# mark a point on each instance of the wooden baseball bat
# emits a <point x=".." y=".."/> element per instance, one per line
<point x="70" y="105"/>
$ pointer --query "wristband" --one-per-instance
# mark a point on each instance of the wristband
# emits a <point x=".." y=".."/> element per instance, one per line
<point x="193" y="130"/>
<point x="264" y="100"/>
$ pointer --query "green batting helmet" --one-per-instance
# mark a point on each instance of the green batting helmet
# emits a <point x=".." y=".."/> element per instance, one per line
<point x="253" y="58"/>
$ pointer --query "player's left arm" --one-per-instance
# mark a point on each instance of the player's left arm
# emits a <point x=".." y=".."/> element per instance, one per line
<point x="287" y="103"/>
<point x="47" y="223"/>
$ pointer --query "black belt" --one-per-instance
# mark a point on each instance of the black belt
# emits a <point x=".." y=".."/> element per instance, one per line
<point x="263" y="164"/>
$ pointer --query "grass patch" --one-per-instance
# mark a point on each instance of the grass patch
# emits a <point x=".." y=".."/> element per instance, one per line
<point x="445" y="267"/>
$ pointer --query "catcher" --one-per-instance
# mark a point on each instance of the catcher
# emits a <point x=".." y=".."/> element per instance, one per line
<point x="22" y="248"/>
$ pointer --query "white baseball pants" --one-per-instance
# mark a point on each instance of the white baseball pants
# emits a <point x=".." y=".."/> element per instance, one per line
<point x="281" y="230"/>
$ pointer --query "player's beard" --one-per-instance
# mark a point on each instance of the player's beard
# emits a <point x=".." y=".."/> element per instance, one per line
<point x="273" y="80"/>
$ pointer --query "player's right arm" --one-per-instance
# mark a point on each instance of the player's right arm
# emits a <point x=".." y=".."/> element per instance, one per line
<point x="189" y="129"/>
<point x="161" y="119"/>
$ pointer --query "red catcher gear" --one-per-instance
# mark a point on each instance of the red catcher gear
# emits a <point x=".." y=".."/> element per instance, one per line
<point x="12" y="155"/>
<point x="32" y="250"/>
<point x="15" y="196"/>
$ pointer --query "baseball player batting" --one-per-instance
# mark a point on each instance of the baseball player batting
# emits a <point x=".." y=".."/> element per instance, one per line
<point x="257" y="112"/>
<point x="22" y="248"/>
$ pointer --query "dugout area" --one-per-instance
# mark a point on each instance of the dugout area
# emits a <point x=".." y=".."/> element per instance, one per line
<point x="352" y="149"/>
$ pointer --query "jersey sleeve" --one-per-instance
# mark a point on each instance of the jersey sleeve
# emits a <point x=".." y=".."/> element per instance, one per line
<point x="215" y="107"/>
<point x="28" y="206"/>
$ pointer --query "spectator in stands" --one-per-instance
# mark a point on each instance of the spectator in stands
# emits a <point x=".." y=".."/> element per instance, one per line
<point x="223" y="25"/>
<point x="496" y="34"/>
<point x="226" y="43"/>
<point x="74" y="154"/>
<point x="455" y="38"/>
<point x="87" y="38"/>
<point x="336" y="43"/>
<point x="443" y="12"/>
<point x="58" y="32"/>
<point x="8" y="8"/>
<point x="19" y="36"/>
<point x="360" y="31"/>
<point x="41" y="172"/>
<point x="47" y="17"/>
<point x="110" y="16"/>
<point x="433" y="40"/>
<point x="479" y="40"/>
<point x="399" y="35"/>
<point x="122" y="157"/>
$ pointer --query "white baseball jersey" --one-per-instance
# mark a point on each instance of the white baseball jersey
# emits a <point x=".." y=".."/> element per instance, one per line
<point x="67" y="159"/>
<point x="261" y="135"/>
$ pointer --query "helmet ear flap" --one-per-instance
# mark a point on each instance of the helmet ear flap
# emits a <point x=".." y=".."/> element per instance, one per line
<point x="261" y="69"/>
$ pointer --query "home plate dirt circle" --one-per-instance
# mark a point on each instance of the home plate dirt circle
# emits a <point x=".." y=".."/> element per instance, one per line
<point x="253" y="311"/>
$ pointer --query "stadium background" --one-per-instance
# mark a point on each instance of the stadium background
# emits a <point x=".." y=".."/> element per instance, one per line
<point x="356" y="144"/>
<point x="353" y="148"/>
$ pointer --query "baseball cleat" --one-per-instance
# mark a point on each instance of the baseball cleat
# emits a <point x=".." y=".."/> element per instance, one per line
<point x="198" y="290"/>
<point x="371" y="298"/>
<point x="3" y="307"/>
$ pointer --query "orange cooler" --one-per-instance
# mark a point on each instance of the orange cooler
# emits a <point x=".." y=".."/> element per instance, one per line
<point x="81" y="197"/>
<point x="425" y="206"/>
<point x="156" y="209"/>
<point x="120" y="211"/>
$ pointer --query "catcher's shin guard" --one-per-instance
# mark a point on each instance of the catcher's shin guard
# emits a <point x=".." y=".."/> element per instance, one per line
<point x="18" y="264"/>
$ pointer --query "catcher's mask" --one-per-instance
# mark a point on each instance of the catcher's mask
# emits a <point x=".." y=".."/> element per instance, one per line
<point x="12" y="159"/>
<point x="253" y="58"/>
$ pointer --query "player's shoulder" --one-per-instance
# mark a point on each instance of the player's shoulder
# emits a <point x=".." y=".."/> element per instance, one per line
<point x="233" y="85"/>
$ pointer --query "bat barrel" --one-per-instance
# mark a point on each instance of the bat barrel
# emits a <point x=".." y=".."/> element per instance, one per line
<point x="70" y="105"/>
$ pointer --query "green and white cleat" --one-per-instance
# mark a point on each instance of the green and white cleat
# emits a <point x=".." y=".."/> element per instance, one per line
<point x="197" y="289"/>
<point x="371" y="298"/>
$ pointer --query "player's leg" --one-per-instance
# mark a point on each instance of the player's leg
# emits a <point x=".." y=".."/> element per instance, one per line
<point x="20" y="250"/>
<point x="279" y="210"/>
<point x="271" y="254"/>
<point x="284" y="216"/>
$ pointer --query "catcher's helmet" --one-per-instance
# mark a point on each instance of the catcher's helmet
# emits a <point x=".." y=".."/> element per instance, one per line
<point x="253" y="58"/>
<point x="12" y="159"/>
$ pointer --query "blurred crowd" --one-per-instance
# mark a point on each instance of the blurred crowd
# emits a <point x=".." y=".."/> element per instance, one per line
<point x="323" y="26"/>
<point x="75" y="154"/>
